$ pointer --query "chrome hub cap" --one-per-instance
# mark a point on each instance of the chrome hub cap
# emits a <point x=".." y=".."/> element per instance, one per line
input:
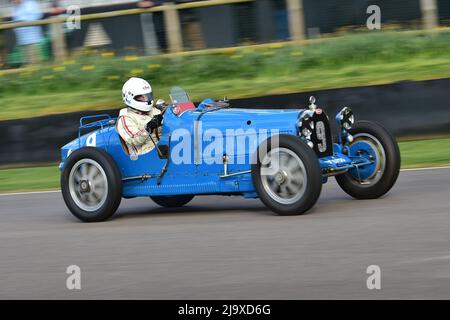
<point x="281" y="177"/>
<point x="85" y="186"/>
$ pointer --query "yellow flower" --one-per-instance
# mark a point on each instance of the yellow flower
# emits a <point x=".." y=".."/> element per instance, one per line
<point x="229" y="50"/>
<point x="236" y="56"/>
<point x="108" y="54"/>
<point x="113" y="77"/>
<point x="136" y="72"/>
<point x="248" y="50"/>
<point x="59" y="69"/>
<point x="296" y="53"/>
<point x="154" y="66"/>
<point x="69" y="62"/>
<point x="131" y="58"/>
<point x="33" y="68"/>
<point x="86" y="68"/>
<point x="47" y="77"/>
<point x="89" y="51"/>
<point x="276" y="46"/>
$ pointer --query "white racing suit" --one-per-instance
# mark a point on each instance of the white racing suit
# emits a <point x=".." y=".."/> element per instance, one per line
<point x="131" y="127"/>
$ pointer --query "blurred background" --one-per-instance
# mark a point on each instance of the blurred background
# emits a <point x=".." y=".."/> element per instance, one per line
<point x="387" y="59"/>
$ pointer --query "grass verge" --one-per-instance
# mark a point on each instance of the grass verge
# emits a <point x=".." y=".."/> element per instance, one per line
<point x="29" y="179"/>
<point x="415" y="154"/>
<point x="425" y="153"/>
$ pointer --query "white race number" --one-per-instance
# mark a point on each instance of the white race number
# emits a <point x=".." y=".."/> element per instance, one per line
<point x="321" y="136"/>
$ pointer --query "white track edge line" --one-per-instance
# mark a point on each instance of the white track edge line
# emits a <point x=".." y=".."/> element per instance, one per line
<point x="54" y="191"/>
<point x="427" y="168"/>
<point x="30" y="192"/>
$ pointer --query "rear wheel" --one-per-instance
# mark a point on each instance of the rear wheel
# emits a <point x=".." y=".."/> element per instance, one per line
<point x="172" y="201"/>
<point x="287" y="177"/>
<point x="91" y="184"/>
<point x="373" y="141"/>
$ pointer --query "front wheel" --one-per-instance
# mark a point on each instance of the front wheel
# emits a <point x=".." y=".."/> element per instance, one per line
<point x="287" y="176"/>
<point x="91" y="184"/>
<point x="372" y="141"/>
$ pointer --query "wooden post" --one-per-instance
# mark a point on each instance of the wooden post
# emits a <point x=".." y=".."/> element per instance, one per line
<point x="58" y="41"/>
<point x="430" y="15"/>
<point x="173" y="28"/>
<point x="296" y="19"/>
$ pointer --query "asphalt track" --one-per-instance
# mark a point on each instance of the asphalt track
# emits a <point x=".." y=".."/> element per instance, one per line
<point x="232" y="248"/>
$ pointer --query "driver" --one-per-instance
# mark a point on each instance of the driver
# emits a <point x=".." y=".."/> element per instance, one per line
<point x="139" y="125"/>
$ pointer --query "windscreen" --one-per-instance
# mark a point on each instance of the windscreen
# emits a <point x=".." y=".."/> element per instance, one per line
<point x="178" y="95"/>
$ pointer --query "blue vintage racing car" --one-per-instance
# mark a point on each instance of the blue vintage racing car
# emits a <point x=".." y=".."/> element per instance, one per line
<point x="279" y="156"/>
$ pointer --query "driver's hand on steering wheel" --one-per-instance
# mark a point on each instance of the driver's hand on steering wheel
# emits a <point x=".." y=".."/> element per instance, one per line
<point x="154" y="123"/>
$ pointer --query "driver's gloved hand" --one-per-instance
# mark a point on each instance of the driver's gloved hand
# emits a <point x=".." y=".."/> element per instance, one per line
<point x="154" y="123"/>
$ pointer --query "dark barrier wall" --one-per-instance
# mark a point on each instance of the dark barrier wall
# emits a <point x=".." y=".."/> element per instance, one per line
<point x="405" y="108"/>
<point x="330" y="15"/>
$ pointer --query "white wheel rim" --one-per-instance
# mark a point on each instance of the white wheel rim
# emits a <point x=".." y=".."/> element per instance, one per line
<point x="288" y="182"/>
<point x="380" y="157"/>
<point x="88" y="185"/>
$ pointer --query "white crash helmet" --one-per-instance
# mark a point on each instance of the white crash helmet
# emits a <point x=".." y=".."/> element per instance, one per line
<point x="136" y="87"/>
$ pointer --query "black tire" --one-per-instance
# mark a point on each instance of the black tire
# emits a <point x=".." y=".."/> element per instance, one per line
<point x="112" y="196"/>
<point x="391" y="160"/>
<point x="311" y="169"/>
<point x="172" y="201"/>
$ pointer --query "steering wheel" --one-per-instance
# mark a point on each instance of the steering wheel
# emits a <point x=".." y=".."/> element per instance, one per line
<point x="163" y="110"/>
